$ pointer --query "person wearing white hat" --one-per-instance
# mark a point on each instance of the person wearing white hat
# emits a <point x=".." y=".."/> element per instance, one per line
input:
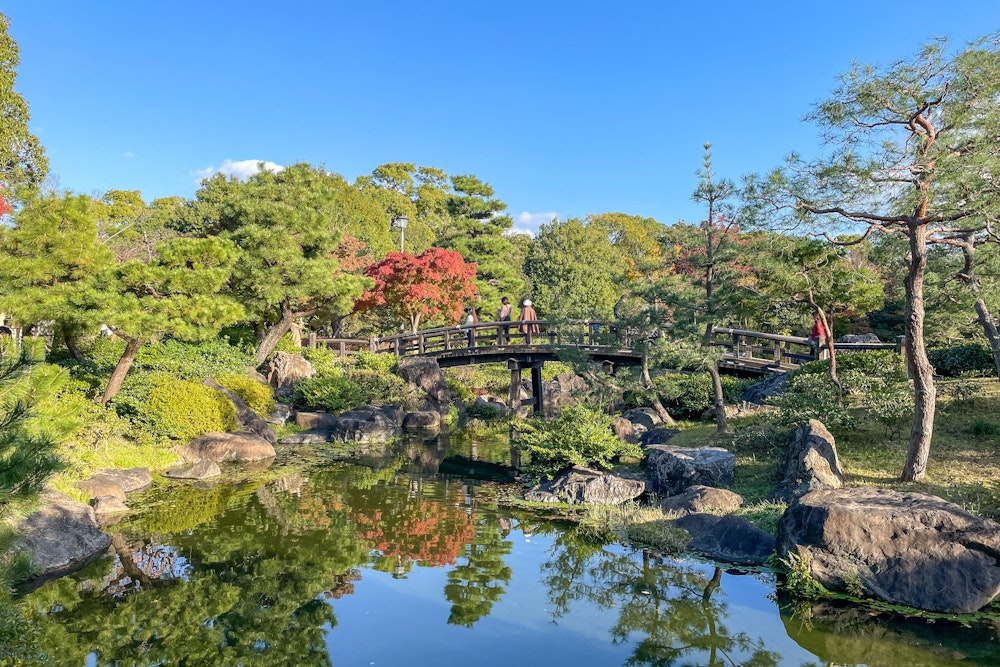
<point x="528" y="317"/>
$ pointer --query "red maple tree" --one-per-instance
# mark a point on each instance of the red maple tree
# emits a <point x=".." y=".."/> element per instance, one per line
<point x="435" y="284"/>
<point x="4" y="206"/>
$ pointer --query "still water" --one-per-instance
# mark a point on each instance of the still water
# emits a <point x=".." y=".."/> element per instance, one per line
<point x="390" y="562"/>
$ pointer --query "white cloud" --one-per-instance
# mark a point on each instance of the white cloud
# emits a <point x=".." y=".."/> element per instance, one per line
<point x="527" y="222"/>
<point x="129" y="154"/>
<point x="242" y="169"/>
<point x="514" y="231"/>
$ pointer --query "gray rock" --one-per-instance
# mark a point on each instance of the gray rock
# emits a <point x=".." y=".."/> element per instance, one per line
<point x="759" y="392"/>
<point x="199" y="470"/>
<point x="219" y="447"/>
<point x="422" y="421"/>
<point x="671" y="469"/>
<point x="493" y="402"/>
<point x="115" y="482"/>
<point x="281" y="414"/>
<point x="425" y="374"/>
<point x="108" y="505"/>
<point x="315" y="420"/>
<point x="367" y="424"/>
<point x="624" y="430"/>
<point x="903" y="548"/>
<point x="310" y="437"/>
<point x="658" y="436"/>
<point x="643" y="419"/>
<point x="60" y="537"/>
<point x="699" y="499"/>
<point x="859" y="338"/>
<point x="808" y="462"/>
<point x="537" y="496"/>
<point x="248" y="419"/>
<point x="729" y="538"/>
<point x="581" y="485"/>
<point x="286" y="369"/>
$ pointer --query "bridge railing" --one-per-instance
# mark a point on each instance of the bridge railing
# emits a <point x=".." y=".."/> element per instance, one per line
<point x="755" y="347"/>
<point x="492" y="334"/>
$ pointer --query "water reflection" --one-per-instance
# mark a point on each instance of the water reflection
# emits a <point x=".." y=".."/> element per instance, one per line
<point x="271" y="573"/>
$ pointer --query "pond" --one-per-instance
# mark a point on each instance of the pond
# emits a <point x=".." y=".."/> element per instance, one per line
<point x="395" y="563"/>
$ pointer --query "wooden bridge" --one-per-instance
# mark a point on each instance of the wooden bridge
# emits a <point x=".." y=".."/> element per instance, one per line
<point x="527" y="345"/>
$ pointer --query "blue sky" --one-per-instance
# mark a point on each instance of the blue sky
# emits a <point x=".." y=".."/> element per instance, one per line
<point x="566" y="108"/>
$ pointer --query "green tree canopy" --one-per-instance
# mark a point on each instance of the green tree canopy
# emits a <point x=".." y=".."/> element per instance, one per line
<point x="287" y="227"/>
<point x="23" y="165"/>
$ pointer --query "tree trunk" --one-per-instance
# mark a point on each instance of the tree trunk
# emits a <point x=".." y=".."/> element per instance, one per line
<point x="272" y="336"/>
<point x="721" y="426"/>
<point x="71" y="346"/>
<point x="654" y="400"/>
<point x="989" y="325"/>
<point x="924" y="391"/>
<point x="830" y="347"/>
<point x="132" y="346"/>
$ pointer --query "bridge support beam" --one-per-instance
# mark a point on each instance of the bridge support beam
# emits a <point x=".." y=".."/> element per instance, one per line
<point x="514" y="395"/>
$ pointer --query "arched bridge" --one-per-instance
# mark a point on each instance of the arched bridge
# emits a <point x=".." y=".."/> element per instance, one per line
<point x="527" y="345"/>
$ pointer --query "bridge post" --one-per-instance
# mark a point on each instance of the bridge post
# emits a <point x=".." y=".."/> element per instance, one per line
<point x="537" y="395"/>
<point x="514" y="394"/>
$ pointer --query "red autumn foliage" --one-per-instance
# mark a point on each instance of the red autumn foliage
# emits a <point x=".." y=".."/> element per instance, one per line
<point x="4" y="206"/>
<point x="433" y="285"/>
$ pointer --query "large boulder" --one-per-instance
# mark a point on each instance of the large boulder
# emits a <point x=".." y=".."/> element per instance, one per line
<point x="729" y="538"/>
<point x="286" y="369"/>
<point x="624" y="430"/>
<point x="247" y="418"/>
<point x="115" y="482"/>
<point x="367" y="424"/>
<point x="671" y="469"/>
<point x="425" y="374"/>
<point x="658" y="436"/>
<point x="309" y="437"/>
<point x="61" y="536"/>
<point x="218" y="447"/>
<point x="198" y="470"/>
<point x="699" y="499"/>
<point x="760" y="392"/>
<point x="579" y="485"/>
<point x="808" y="462"/>
<point x="427" y="420"/>
<point x="315" y="420"/>
<point x="643" y="419"/>
<point x="904" y="548"/>
<point x="281" y="414"/>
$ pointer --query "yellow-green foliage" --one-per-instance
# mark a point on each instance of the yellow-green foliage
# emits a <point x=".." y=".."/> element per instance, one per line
<point x="258" y="396"/>
<point x="181" y="409"/>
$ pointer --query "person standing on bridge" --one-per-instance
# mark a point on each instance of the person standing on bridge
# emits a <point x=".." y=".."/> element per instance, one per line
<point x="471" y="318"/>
<point x="504" y="314"/>
<point x="528" y="326"/>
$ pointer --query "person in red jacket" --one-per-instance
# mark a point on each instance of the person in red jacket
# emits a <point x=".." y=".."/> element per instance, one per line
<point x="527" y="315"/>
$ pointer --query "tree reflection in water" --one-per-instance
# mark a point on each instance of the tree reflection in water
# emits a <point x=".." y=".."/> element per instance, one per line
<point x="476" y="585"/>
<point x="669" y="610"/>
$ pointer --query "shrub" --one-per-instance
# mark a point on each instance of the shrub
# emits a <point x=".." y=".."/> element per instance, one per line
<point x="580" y="436"/>
<point x="375" y="361"/>
<point x="181" y="409"/>
<point x="960" y="359"/>
<point x="331" y="393"/>
<point x="688" y="394"/>
<point x="811" y="396"/>
<point x="377" y="387"/>
<point x="194" y="361"/>
<point x="259" y="397"/>
<point x="481" y="411"/>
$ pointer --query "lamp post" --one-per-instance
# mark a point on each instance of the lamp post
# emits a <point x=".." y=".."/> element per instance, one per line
<point x="401" y="223"/>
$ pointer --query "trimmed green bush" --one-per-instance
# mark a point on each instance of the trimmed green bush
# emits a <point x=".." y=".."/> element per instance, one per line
<point x="182" y="409"/>
<point x="330" y="393"/>
<point x="687" y="395"/>
<point x="972" y="358"/>
<point x="258" y="396"/>
<point x="580" y="436"/>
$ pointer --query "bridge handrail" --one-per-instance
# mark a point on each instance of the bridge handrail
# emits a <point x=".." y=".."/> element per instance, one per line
<point x="758" y="334"/>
